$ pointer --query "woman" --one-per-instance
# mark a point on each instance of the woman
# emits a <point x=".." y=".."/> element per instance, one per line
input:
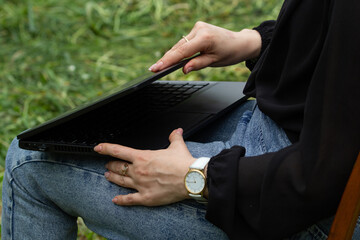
<point x="283" y="162"/>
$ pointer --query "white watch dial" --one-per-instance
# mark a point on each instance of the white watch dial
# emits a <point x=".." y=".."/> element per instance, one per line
<point x="195" y="181"/>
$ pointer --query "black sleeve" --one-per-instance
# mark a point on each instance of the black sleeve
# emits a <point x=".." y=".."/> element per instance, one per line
<point x="265" y="29"/>
<point x="278" y="194"/>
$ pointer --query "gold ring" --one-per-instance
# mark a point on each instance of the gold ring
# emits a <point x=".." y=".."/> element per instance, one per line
<point x="124" y="169"/>
<point x="187" y="40"/>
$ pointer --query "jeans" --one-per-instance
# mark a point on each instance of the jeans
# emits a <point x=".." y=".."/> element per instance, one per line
<point x="44" y="193"/>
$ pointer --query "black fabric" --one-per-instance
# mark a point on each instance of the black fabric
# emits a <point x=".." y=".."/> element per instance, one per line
<point x="308" y="81"/>
<point x="266" y="30"/>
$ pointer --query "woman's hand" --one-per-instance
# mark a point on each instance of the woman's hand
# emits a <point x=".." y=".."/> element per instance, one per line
<point x="158" y="176"/>
<point x="218" y="47"/>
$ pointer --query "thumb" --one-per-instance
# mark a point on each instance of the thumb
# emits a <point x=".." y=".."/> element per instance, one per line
<point x="176" y="138"/>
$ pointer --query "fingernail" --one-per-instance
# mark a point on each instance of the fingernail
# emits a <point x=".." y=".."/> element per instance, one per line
<point x="158" y="65"/>
<point x="107" y="174"/>
<point x="98" y="148"/>
<point x="114" y="200"/>
<point x="152" y="67"/>
<point x="189" y="69"/>
<point x="180" y="131"/>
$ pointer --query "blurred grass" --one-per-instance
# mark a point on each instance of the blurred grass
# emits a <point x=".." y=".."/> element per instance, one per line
<point x="56" y="55"/>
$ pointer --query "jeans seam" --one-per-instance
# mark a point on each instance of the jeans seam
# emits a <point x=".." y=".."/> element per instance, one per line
<point x="20" y="186"/>
<point x="54" y="162"/>
<point x="262" y="141"/>
<point x="12" y="212"/>
<point x="261" y="137"/>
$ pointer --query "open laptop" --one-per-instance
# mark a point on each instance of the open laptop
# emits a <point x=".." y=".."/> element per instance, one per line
<point x="140" y="114"/>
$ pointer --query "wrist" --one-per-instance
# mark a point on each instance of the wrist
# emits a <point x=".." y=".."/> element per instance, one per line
<point x="252" y="43"/>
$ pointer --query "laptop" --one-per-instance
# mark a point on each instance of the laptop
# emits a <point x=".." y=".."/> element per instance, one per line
<point x="140" y="114"/>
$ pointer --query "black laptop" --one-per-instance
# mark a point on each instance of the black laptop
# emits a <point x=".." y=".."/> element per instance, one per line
<point x="140" y="114"/>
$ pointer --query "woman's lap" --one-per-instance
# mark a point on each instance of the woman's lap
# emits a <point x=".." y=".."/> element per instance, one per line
<point x="44" y="193"/>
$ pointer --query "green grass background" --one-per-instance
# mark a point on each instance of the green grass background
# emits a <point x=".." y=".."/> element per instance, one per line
<point x="55" y="55"/>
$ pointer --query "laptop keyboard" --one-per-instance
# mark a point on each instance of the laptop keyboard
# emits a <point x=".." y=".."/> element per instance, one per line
<point x="163" y="95"/>
<point x="139" y="107"/>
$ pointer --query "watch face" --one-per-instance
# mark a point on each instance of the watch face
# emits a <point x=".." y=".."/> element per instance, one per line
<point x="195" y="181"/>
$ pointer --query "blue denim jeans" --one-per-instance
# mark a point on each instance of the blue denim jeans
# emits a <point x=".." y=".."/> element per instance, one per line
<point x="44" y="193"/>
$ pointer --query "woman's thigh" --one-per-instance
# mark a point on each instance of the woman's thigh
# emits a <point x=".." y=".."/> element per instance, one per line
<point x="44" y="193"/>
<point x="246" y="126"/>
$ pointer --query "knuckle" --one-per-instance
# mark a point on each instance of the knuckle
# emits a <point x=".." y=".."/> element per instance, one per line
<point x="122" y="181"/>
<point x="169" y="51"/>
<point x="113" y="150"/>
<point x="141" y="172"/>
<point x="207" y="36"/>
<point x="129" y="199"/>
<point x="143" y="156"/>
<point x="133" y="155"/>
<point x="200" y="24"/>
<point x="180" y="51"/>
<point x="147" y="198"/>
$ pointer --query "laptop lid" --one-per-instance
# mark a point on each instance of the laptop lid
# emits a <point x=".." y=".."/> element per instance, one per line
<point x="69" y="132"/>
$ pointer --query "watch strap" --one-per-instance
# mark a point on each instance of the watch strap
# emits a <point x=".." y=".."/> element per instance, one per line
<point x="199" y="198"/>
<point x="200" y="163"/>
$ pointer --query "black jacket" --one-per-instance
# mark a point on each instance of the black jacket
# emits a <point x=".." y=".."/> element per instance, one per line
<point x="307" y="79"/>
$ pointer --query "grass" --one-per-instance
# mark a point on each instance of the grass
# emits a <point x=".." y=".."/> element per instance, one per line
<point x="56" y="55"/>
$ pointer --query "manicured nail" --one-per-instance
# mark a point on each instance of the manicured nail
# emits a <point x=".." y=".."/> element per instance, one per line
<point x="152" y="67"/>
<point x="98" y="148"/>
<point x="189" y="69"/>
<point x="114" y="200"/>
<point x="179" y="131"/>
<point x="158" y="65"/>
<point x="107" y="174"/>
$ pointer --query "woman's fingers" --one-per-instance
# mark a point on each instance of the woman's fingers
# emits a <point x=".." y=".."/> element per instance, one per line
<point x="175" y="55"/>
<point x="200" y="39"/>
<point x="123" y="181"/>
<point x="120" y="167"/>
<point x="131" y="200"/>
<point x="200" y="62"/>
<point x="184" y="48"/>
<point x="117" y="151"/>
<point x="217" y="46"/>
<point x="183" y="40"/>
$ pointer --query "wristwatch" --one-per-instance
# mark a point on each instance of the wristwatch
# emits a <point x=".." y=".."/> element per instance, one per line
<point x="195" y="180"/>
